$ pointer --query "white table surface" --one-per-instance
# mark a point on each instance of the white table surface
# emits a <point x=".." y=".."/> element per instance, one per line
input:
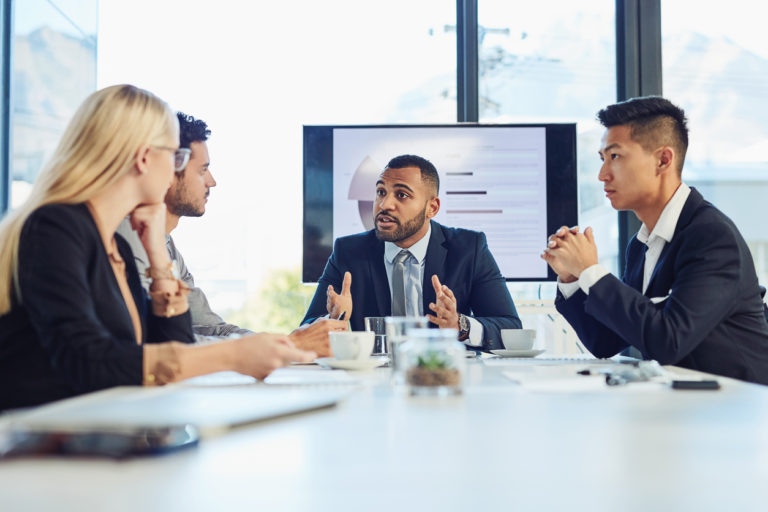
<point x="500" y="446"/>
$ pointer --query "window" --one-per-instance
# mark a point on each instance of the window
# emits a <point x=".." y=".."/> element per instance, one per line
<point x="554" y="62"/>
<point x="255" y="75"/>
<point x="716" y="68"/>
<point x="54" y="69"/>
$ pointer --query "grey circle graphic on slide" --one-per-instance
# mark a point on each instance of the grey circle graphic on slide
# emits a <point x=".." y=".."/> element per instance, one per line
<point x="362" y="189"/>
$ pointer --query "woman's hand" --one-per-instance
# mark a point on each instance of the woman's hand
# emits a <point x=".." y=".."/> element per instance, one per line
<point x="258" y="355"/>
<point x="148" y="221"/>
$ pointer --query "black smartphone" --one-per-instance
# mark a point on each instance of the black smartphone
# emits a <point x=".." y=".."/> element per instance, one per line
<point x="104" y="442"/>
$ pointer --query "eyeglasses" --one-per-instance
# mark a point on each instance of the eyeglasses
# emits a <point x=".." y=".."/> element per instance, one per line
<point x="180" y="157"/>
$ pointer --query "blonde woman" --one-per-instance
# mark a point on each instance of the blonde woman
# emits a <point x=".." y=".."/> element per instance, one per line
<point x="74" y="317"/>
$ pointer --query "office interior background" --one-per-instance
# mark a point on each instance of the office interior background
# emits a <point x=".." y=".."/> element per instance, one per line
<point x="257" y="74"/>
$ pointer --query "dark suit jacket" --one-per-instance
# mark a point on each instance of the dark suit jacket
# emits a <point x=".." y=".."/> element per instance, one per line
<point x="71" y="332"/>
<point x="713" y="317"/>
<point x="459" y="257"/>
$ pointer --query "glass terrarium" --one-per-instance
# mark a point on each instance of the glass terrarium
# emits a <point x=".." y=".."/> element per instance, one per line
<point x="433" y="362"/>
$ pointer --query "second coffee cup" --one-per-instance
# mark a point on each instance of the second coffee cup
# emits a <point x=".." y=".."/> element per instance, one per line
<point x="518" y="339"/>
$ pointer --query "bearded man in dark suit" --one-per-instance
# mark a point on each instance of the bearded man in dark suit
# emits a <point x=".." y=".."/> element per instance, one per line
<point x="409" y="265"/>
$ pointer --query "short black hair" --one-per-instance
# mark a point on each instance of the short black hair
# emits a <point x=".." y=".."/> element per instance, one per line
<point x="191" y="130"/>
<point x="654" y="121"/>
<point x="428" y="171"/>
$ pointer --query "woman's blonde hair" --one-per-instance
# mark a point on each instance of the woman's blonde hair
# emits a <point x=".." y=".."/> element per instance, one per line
<point x="97" y="148"/>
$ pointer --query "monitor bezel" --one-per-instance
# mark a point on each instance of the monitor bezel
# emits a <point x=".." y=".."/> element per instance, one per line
<point x="317" y="175"/>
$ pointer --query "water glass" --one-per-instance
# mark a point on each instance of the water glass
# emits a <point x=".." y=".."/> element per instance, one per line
<point x="376" y="324"/>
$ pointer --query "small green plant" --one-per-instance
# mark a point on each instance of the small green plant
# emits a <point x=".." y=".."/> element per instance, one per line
<point x="434" y="360"/>
<point x="434" y="369"/>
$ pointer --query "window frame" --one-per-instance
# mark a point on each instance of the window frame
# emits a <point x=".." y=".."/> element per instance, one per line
<point x="6" y="67"/>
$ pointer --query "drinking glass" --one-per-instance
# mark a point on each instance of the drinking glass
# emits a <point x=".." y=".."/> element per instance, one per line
<point x="376" y="324"/>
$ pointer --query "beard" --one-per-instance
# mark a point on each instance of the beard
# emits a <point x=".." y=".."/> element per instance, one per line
<point x="180" y="206"/>
<point x="403" y="231"/>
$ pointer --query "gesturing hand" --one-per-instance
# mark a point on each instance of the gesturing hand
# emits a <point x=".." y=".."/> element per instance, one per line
<point x="444" y="306"/>
<point x="337" y="304"/>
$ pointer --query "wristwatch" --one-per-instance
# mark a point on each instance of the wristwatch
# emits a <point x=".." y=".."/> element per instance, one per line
<point x="463" y="327"/>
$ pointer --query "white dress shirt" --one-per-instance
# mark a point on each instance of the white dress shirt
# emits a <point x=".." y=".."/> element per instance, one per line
<point x="655" y="242"/>
<point x="414" y="277"/>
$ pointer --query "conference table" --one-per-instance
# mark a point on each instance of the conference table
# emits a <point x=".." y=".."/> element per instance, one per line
<point x="526" y="434"/>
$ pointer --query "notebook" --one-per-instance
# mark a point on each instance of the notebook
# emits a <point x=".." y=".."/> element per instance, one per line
<point x="213" y="410"/>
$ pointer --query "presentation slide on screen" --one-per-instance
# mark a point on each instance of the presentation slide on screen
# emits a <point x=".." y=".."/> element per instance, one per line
<point x="491" y="180"/>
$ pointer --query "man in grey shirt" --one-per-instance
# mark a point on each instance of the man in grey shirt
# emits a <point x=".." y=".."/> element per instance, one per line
<point x="186" y="198"/>
<point x="205" y="321"/>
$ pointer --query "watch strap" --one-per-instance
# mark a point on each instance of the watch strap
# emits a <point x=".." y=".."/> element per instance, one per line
<point x="464" y="326"/>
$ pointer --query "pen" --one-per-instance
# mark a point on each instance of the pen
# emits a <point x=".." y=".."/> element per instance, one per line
<point x="341" y="316"/>
<point x="695" y="384"/>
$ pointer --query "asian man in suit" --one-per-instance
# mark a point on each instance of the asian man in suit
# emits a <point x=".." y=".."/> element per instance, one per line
<point x="411" y="265"/>
<point x="690" y="296"/>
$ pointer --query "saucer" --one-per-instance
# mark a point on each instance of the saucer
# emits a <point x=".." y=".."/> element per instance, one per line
<point x="350" y="364"/>
<point x="518" y="353"/>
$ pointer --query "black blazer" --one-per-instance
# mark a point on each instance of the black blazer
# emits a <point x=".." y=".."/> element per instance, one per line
<point x="459" y="257"/>
<point x="71" y="332"/>
<point x="712" y="318"/>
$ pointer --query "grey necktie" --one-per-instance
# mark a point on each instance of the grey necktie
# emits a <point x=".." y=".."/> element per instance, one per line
<point x="398" y="284"/>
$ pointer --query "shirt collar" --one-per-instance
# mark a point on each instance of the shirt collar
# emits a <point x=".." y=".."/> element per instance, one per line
<point x="418" y="250"/>
<point x="665" y="226"/>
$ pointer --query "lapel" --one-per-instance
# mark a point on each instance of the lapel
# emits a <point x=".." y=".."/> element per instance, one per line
<point x="378" y="274"/>
<point x="634" y="270"/>
<point x="434" y="264"/>
<point x="686" y="215"/>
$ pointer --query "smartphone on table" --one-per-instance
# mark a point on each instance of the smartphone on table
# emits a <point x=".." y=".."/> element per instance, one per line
<point x="118" y="442"/>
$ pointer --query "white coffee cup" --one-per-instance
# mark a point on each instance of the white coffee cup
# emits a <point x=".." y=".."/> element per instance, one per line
<point x="518" y="339"/>
<point x="347" y="345"/>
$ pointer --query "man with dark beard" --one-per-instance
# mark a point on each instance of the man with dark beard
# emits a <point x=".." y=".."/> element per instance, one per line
<point x="187" y="197"/>
<point x="409" y="265"/>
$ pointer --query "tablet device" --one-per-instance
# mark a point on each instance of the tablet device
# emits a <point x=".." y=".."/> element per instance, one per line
<point x="19" y="440"/>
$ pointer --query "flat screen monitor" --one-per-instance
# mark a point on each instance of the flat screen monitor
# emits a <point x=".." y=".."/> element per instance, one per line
<point x="514" y="182"/>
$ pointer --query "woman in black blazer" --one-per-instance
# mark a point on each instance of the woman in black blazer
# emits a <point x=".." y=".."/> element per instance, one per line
<point x="74" y="317"/>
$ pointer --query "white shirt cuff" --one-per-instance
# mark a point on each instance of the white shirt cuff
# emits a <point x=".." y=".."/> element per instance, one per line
<point x="567" y="289"/>
<point x="475" y="333"/>
<point x="590" y="275"/>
